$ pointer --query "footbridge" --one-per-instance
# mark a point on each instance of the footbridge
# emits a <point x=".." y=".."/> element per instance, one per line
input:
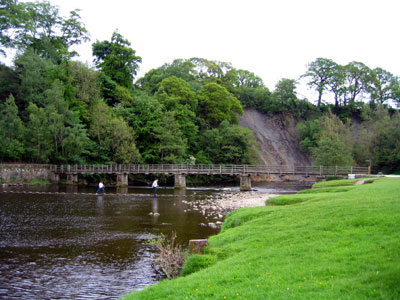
<point x="181" y="170"/>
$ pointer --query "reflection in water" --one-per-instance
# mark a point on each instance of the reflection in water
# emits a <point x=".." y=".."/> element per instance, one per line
<point x="71" y="188"/>
<point x="155" y="212"/>
<point x="122" y="190"/>
<point x="100" y="205"/>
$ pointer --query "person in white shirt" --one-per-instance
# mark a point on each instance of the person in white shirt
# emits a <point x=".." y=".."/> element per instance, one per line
<point x="101" y="187"/>
<point x="155" y="186"/>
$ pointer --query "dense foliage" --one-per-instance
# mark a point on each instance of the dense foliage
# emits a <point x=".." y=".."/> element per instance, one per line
<point x="55" y="109"/>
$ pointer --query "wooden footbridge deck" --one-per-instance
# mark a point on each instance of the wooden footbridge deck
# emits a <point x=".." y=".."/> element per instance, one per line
<point x="181" y="170"/>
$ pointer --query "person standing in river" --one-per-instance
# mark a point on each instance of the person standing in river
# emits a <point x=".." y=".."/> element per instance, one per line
<point x="101" y="187"/>
<point x="155" y="186"/>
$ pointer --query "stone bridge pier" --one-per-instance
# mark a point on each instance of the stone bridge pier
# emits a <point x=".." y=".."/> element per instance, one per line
<point x="72" y="178"/>
<point x="245" y="182"/>
<point x="122" y="180"/>
<point x="180" y="181"/>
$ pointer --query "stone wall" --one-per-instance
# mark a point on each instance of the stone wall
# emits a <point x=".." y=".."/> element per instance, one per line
<point x="24" y="173"/>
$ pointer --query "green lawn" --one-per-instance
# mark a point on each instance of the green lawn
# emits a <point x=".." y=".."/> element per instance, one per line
<point x="334" y="244"/>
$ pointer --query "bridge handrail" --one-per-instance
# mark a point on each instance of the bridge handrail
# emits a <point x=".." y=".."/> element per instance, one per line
<point x="209" y="169"/>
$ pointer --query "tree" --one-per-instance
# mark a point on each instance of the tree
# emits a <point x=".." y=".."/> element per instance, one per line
<point x="85" y="81"/>
<point x="336" y="84"/>
<point x="9" y="11"/>
<point x="309" y="132"/>
<point x="116" y="59"/>
<point x="11" y="131"/>
<point x="384" y="86"/>
<point x="115" y="139"/>
<point x="378" y="142"/>
<point x="144" y="116"/>
<point x="331" y="151"/>
<point x="38" y="139"/>
<point x="171" y="144"/>
<point x="358" y="77"/>
<point x="33" y="73"/>
<point x="285" y="95"/>
<point x="217" y="104"/>
<point x="175" y="95"/>
<point x="38" y="25"/>
<point x="334" y="144"/>
<point x="320" y="73"/>
<point x="227" y="144"/>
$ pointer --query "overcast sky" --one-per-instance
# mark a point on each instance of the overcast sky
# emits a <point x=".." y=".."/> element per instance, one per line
<point x="273" y="39"/>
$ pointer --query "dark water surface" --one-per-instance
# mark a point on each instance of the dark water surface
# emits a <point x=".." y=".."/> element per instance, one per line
<point x="77" y="246"/>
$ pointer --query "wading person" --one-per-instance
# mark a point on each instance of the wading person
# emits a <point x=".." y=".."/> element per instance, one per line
<point x="155" y="186"/>
<point x="101" y="187"/>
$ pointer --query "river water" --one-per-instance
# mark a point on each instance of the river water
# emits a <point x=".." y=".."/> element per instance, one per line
<point x="79" y="245"/>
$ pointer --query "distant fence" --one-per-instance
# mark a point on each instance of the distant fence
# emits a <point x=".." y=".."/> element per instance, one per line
<point x="207" y="169"/>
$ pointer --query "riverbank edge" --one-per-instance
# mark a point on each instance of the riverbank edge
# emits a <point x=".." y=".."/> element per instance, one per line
<point x="386" y="189"/>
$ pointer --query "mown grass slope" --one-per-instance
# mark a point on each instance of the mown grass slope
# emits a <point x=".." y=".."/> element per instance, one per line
<point x="337" y="244"/>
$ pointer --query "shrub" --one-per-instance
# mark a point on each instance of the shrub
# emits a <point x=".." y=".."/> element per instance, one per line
<point x="172" y="255"/>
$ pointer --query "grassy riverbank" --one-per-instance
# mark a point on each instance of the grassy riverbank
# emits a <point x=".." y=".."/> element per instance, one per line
<point x="329" y="243"/>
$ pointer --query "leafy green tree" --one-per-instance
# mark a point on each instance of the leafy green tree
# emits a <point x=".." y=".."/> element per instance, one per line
<point x="117" y="60"/>
<point x="331" y="151"/>
<point x="115" y="139"/>
<point x="122" y="141"/>
<point x="85" y="81"/>
<point x="320" y="72"/>
<point x="10" y="84"/>
<point x="283" y="98"/>
<point x="9" y="10"/>
<point x="123" y="96"/>
<point x="11" y="131"/>
<point x="358" y="77"/>
<point x="217" y="104"/>
<point x="175" y="95"/>
<point x="38" y="25"/>
<point x="143" y="117"/>
<point x="336" y="84"/>
<point x="171" y="144"/>
<point x="33" y="73"/>
<point x="383" y="86"/>
<point x="334" y="144"/>
<point x="38" y="138"/>
<point x="180" y="68"/>
<point x="173" y="92"/>
<point x="309" y="133"/>
<point x="378" y="142"/>
<point x="227" y="144"/>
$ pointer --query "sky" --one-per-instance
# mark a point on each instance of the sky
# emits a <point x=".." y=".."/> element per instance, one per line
<point x="273" y="39"/>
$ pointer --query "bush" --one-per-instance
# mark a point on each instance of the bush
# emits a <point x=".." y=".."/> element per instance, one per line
<point x="172" y="256"/>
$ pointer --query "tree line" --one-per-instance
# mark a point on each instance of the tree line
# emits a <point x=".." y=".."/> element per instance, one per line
<point x="55" y="109"/>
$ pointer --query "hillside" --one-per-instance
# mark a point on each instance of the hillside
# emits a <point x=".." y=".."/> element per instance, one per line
<point x="277" y="143"/>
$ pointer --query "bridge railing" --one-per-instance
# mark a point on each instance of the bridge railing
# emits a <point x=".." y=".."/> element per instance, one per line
<point x="209" y="169"/>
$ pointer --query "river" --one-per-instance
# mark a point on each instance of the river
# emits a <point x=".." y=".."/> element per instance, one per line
<point x="77" y="245"/>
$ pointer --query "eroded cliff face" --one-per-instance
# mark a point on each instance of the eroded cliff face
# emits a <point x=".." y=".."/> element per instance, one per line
<point x="277" y="139"/>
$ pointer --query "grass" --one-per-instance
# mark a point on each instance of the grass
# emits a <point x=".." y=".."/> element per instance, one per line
<point x="333" y="244"/>
<point x="38" y="181"/>
<point x="342" y="182"/>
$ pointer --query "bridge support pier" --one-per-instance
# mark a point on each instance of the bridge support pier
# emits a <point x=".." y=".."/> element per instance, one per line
<point x="245" y="183"/>
<point x="72" y="178"/>
<point x="54" y="177"/>
<point x="180" y="181"/>
<point x="122" y="180"/>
